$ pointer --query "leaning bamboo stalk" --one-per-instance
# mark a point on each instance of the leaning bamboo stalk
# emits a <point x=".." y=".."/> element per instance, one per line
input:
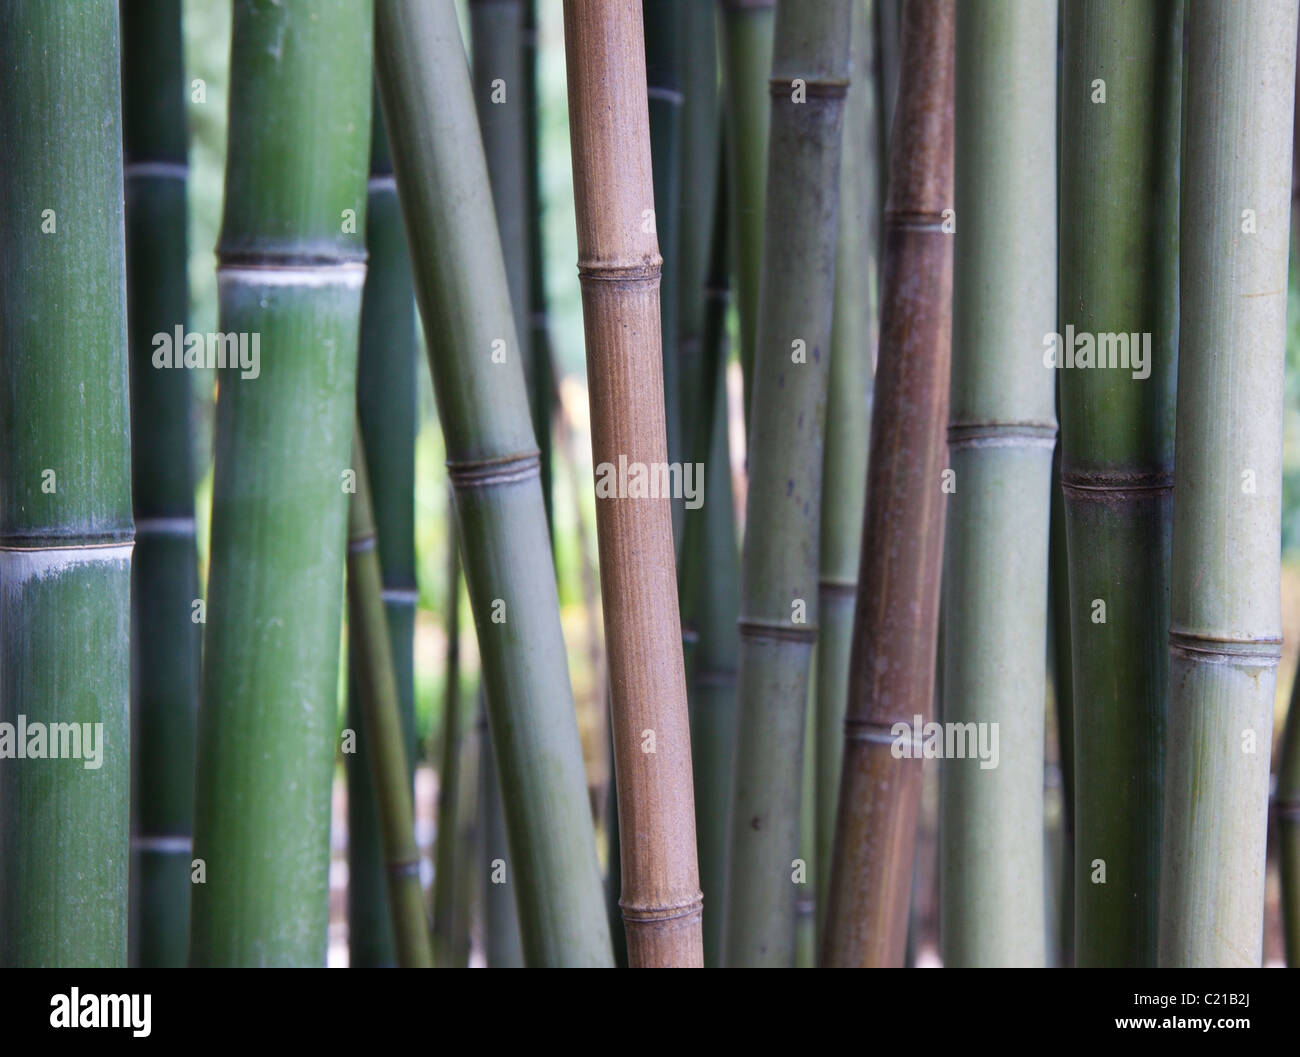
<point x="779" y="564"/>
<point x="384" y="726"/>
<point x="892" y="661"/>
<point x="1225" y="623"/>
<point x="446" y="897"/>
<point x="501" y="945"/>
<point x="1001" y="435"/>
<point x="165" y="680"/>
<point x="290" y="274"/>
<point x="619" y="266"/>
<point x="461" y="285"/>
<point x="1058" y="595"/>
<point x="1118" y="273"/>
<point x="65" y="491"/>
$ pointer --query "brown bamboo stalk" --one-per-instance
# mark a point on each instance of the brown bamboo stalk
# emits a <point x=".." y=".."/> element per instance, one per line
<point x="619" y="267"/>
<point x="892" y="665"/>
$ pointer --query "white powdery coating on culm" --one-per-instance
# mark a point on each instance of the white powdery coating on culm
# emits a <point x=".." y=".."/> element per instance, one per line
<point x="18" y="566"/>
<point x="351" y="275"/>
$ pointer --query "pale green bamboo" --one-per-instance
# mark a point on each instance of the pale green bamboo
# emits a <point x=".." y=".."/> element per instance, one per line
<point x="447" y="898"/>
<point x="500" y="922"/>
<point x="1225" y="621"/>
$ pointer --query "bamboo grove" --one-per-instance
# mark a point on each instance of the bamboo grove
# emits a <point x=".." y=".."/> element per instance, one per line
<point x="922" y="601"/>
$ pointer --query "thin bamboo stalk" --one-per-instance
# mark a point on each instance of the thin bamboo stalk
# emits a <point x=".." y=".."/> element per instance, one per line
<point x="892" y="661"/>
<point x="1001" y="435"/>
<point x="779" y="562"/>
<point x="384" y="726"/>
<point x="747" y="27"/>
<point x="65" y="491"/>
<point x="1118" y="273"/>
<point x="619" y="266"/>
<point x="848" y="428"/>
<point x="483" y="406"/>
<point x="467" y="906"/>
<point x="165" y="679"/>
<point x="1058" y="594"/>
<point x="290" y="274"/>
<point x="501" y="941"/>
<point x="1225" y="624"/>
<point x="446" y="837"/>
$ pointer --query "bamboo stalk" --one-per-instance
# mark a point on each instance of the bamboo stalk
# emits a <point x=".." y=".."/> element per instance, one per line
<point x="387" y="417"/>
<point x="461" y="285"/>
<point x="1058" y="593"/>
<point x="467" y="907"/>
<point x="1001" y="435"/>
<point x="892" y="665"/>
<point x="500" y="922"/>
<point x="747" y="28"/>
<point x="1119" y="259"/>
<point x="1225" y="624"/>
<point x="779" y="562"/>
<point x="848" y="429"/>
<point x="619" y="266"/>
<point x="290" y="274"/>
<point x="384" y="726"/>
<point x="165" y="681"/>
<point x="65" y="491"/>
<point x="445" y="894"/>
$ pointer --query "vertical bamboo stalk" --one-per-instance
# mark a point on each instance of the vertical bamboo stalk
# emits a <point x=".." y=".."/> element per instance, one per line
<point x="65" y="490"/>
<point x="1001" y="434"/>
<point x="1058" y="594"/>
<point x="619" y="266"/>
<point x="1225" y="623"/>
<point x="779" y="565"/>
<point x="445" y="901"/>
<point x="501" y="941"/>
<point x="461" y="284"/>
<point x="892" y="661"/>
<point x="165" y="665"/>
<point x="1118" y="274"/>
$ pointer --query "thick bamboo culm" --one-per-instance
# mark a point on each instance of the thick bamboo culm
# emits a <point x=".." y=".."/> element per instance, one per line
<point x="290" y="274"/>
<point x="1001" y="435"/>
<point x="1118" y="274"/>
<point x="779" y="563"/>
<point x="383" y="726"/>
<point x="165" y="670"/>
<point x="892" y="665"/>
<point x="464" y="298"/>
<point x="619" y="268"/>
<point x="1225" y="611"/>
<point x="65" y="490"/>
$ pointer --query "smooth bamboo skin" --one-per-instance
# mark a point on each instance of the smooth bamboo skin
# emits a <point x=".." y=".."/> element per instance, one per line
<point x="848" y="429"/>
<point x="619" y="266"/>
<point x="1058" y="597"/>
<point x="386" y="415"/>
<point x="501" y="943"/>
<point x="446" y="838"/>
<point x="1225" y="626"/>
<point x="779" y="564"/>
<point x="289" y="272"/>
<point x="892" y="662"/>
<point x="492" y="458"/>
<point x="1287" y="806"/>
<point x="384" y="727"/>
<point x="65" y="554"/>
<point x="1118" y="273"/>
<point x="1001" y="435"/>
<point x="165" y="663"/>
<point x="746" y="29"/>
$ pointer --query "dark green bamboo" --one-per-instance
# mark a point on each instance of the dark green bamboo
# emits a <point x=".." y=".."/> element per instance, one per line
<point x="778" y="610"/>
<point x="465" y="304"/>
<point x="65" y="490"/>
<point x="1225" y="626"/>
<point x="1118" y="275"/>
<point x="290" y="272"/>
<point x="387" y="415"/>
<point x="165" y="664"/>
<point x="446" y="903"/>
<point x="500" y="922"/>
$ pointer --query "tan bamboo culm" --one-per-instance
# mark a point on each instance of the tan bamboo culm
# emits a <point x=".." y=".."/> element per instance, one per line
<point x="619" y="267"/>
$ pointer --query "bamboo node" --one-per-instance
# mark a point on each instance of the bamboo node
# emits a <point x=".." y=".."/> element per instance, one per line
<point x="641" y="915"/>
<point x="1002" y="435"/>
<point x="1263" y="652"/>
<point x="874" y="733"/>
<point x="648" y="271"/>
<point x="838" y="588"/>
<point x="776" y="631"/>
<point x="361" y="544"/>
<point x="483" y="473"/>
<point x="1105" y="485"/>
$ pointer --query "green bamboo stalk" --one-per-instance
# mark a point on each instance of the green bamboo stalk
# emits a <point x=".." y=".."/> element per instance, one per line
<point x="290" y="276"/>
<point x="1118" y="273"/>
<point x="468" y="862"/>
<point x="465" y="304"/>
<point x="384" y="726"/>
<point x="1225" y="622"/>
<point x="848" y="428"/>
<point x="446" y="903"/>
<point x="65" y="491"/>
<point x="747" y="27"/>
<point x="500" y="922"/>
<point x="888" y="49"/>
<point x="387" y="417"/>
<point x="1001" y="435"/>
<point x="165" y="683"/>
<point x="895" y="623"/>
<point x="1058" y="593"/>
<point x="778" y="609"/>
<point x="1287" y="805"/>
